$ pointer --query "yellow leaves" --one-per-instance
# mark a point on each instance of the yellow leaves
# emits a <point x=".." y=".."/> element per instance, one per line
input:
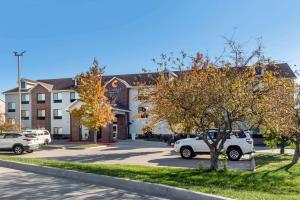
<point x="202" y="96"/>
<point x="96" y="111"/>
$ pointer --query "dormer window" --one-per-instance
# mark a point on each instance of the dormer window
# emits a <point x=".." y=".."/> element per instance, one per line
<point x="23" y="84"/>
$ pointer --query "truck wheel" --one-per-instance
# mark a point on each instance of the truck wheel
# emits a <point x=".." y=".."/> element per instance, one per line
<point x="234" y="153"/>
<point x="18" y="149"/>
<point x="186" y="152"/>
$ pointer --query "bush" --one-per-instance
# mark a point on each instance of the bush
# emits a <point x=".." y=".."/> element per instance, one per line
<point x="60" y="137"/>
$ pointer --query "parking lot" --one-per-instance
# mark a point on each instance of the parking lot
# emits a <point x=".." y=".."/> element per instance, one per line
<point x="136" y="152"/>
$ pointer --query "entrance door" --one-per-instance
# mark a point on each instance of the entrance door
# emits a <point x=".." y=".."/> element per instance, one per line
<point x="115" y="129"/>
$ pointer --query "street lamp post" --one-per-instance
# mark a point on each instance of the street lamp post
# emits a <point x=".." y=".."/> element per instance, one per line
<point x="18" y="55"/>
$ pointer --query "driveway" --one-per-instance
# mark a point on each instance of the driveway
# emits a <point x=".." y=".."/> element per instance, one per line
<point x="136" y="152"/>
<point x="15" y="184"/>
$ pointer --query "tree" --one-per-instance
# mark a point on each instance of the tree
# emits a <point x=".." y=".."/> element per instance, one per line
<point x="96" y="111"/>
<point x="210" y="94"/>
<point x="6" y="125"/>
<point x="292" y="116"/>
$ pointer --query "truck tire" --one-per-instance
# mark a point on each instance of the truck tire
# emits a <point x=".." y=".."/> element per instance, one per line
<point x="18" y="149"/>
<point x="234" y="153"/>
<point x="186" y="152"/>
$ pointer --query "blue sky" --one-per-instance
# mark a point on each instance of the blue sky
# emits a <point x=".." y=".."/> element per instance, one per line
<point x="62" y="37"/>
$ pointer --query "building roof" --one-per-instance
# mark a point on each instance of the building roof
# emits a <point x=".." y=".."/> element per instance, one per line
<point x="133" y="79"/>
<point x="60" y="84"/>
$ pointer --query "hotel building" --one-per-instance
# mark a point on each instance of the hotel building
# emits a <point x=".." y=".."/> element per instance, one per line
<point x="46" y="104"/>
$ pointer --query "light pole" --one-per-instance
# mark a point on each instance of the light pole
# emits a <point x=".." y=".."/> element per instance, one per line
<point x="18" y="55"/>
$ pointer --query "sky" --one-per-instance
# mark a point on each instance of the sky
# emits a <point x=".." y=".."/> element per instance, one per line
<point x="62" y="37"/>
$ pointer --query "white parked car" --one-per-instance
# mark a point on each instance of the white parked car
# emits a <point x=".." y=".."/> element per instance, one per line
<point x="18" y="142"/>
<point x="44" y="137"/>
<point x="239" y="143"/>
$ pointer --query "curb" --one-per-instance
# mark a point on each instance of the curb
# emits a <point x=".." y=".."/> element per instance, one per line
<point x="120" y="183"/>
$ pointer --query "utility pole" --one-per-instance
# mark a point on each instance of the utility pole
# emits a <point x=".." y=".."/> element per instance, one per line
<point x="18" y="55"/>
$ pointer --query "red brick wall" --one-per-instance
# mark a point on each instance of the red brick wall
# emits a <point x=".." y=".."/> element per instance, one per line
<point x="122" y="127"/>
<point x="107" y="133"/>
<point x="119" y="95"/>
<point x="46" y="106"/>
<point x="75" y="129"/>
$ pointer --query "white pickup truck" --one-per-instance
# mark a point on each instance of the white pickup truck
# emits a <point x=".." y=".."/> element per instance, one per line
<point x="239" y="143"/>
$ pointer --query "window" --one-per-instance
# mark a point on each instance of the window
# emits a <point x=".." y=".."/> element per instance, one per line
<point x="23" y="84"/>
<point x="41" y="114"/>
<point x="143" y="112"/>
<point x="25" y="114"/>
<point x="12" y="135"/>
<point x="40" y="98"/>
<point x="57" y="114"/>
<point x="46" y="132"/>
<point x="11" y="107"/>
<point x="57" y="130"/>
<point x="57" y="97"/>
<point x="25" y="98"/>
<point x="72" y="96"/>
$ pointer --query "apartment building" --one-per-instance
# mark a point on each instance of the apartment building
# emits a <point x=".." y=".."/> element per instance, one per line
<point x="46" y="104"/>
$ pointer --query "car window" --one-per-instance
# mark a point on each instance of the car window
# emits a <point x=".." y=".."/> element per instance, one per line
<point x="213" y="134"/>
<point x="7" y="136"/>
<point x="239" y="134"/>
<point x="30" y="135"/>
<point x="46" y="133"/>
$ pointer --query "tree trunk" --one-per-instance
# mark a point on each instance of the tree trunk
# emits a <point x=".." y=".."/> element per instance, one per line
<point x="214" y="159"/>
<point x="282" y="146"/>
<point x="297" y="151"/>
<point x="95" y="137"/>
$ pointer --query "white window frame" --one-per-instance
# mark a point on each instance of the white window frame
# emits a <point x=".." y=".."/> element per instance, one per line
<point x="42" y="95"/>
<point x="56" y="130"/>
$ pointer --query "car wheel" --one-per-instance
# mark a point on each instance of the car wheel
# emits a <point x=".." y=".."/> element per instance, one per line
<point x="29" y="151"/>
<point x="234" y="154"/>
<point x="18" y="149"/>
<point x="186" y="152"/>
<point x="46" y="142"/>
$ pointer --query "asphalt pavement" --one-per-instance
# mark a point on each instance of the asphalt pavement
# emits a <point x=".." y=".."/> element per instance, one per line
<point x="16" y="184"/>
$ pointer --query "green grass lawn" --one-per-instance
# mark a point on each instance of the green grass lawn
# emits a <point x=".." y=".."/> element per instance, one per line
<point x="273" y="179"/>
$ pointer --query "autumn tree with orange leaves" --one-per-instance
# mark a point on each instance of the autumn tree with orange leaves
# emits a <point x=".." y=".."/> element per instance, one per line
<point x="95" y="111"/>
<point x="205" y="94"/>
